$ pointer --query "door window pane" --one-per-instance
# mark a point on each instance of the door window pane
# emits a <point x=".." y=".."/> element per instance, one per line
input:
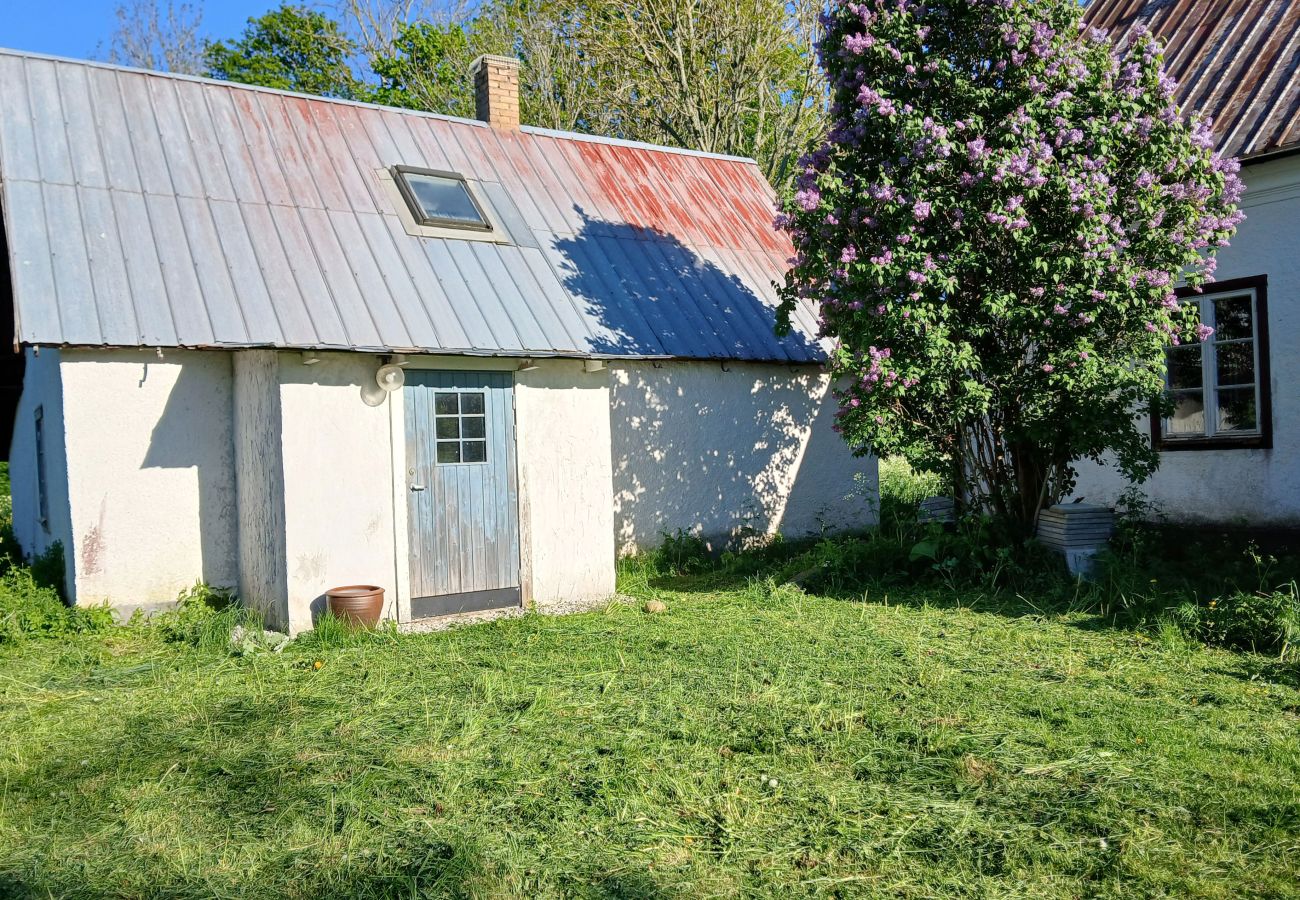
<point x="460" y="426"/>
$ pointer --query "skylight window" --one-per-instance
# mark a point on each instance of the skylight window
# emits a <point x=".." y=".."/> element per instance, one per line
<point x="441" y="199"/>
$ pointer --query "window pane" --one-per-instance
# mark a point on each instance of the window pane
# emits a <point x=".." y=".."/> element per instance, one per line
<point x="1232" y="318"/>
<point x="444" y="198"/>
<point x="1237" y="410"/>
<point x="475" y="451"/>
<point x="448" y="428"/>
<point x="472" y="427"/>
<point x="1189" y="413"/>
<point x="1185" y="367"/>
<point x="471" y="403"/>
<point x="444" y="404"/>
<point x="1236" y="363"/>
<point x="448" y="451"/>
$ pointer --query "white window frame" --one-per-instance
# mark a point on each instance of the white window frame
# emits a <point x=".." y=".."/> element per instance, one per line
<point x="1212" y="437"/>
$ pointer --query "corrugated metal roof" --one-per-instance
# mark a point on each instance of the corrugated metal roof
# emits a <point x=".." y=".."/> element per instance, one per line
<point x="145" y="209"/>
<point x="1237" y="61"/>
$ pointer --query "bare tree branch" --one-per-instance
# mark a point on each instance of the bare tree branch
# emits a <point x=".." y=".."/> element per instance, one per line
<point x="153" y="35"/>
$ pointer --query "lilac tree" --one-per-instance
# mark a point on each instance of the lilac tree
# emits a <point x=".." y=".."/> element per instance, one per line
<point x="994" y="227"/>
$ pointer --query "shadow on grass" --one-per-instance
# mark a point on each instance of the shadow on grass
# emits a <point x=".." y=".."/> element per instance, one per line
<point x="1261" y="669"/>
<point x="229" y="771"/>
<point x="1149" y="580"/>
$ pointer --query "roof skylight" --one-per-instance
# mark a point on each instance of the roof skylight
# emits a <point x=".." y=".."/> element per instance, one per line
<point x="442" y="199"/>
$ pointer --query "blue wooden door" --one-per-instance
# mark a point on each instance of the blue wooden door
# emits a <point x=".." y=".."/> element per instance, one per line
<point x="463" y="491"/>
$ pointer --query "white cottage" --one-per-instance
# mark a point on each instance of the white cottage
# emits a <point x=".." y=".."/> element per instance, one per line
<point x="284" y="343"/>
<point x="1231" y="452"/>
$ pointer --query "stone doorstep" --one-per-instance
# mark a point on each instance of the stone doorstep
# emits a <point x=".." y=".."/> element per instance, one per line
<point x="560" y="608"/>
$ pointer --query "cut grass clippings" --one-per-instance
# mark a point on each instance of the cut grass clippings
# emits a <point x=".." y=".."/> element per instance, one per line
<point x="748" y="741"/>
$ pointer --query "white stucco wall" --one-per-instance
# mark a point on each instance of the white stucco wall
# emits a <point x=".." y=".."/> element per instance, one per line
<point x="338" y="482"/>
<point x="562" y="429"/>
<point x="250" y="468"/>
<point x="259" y="483"/>
<point x="1256" y="487"/>
<point x="725" y="453"/>
<point x="150" y="473"/>
<point x="43" y="389"/>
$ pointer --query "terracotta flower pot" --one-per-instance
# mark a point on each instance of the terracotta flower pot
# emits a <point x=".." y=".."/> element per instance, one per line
<point x="359" y="605"/>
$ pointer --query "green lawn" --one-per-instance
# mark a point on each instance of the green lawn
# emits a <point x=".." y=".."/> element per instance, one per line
<point x="747" y="742"/>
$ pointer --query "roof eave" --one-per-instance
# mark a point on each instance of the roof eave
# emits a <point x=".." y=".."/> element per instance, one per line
<point x="1263" y="156"/>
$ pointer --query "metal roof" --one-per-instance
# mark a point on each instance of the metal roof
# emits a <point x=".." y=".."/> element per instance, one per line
<point x="144" y="209"/>
<point x="1237" y="61"/>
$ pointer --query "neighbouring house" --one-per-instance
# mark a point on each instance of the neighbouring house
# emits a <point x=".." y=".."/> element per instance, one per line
<point x="1231" y="451"/>
<point x="285" y="343"/>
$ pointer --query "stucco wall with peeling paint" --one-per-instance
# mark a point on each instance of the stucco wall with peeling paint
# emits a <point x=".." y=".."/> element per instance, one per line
<point x="259" y="483"/>
<point x="174" y="460"/>
<point x="566" y="487"/>
<point x="151" y="473"/>
<point x="338" y="482"/>
<point x="730" y="453"/>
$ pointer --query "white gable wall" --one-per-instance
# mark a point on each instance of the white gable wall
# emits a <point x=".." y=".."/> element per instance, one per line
<point x="724" y="453"/>
<point x="1259" y="487"/>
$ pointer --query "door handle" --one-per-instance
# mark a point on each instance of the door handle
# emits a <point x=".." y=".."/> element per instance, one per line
<point x="417" y="487"/>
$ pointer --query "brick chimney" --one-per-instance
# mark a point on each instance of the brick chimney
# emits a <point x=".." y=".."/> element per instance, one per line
<point x="496" y="90"/>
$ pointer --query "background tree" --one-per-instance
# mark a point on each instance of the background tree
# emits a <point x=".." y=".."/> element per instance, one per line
<point x="165" y="38"/>
<point x="704" y="74"/>
<point x="426" y="66"/>
<point x="994" y="227"/>
<point x="292" y="48"/>
<point x="727" y="76"/>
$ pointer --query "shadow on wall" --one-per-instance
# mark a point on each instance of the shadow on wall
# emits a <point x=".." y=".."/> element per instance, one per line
<point x="653" y="295"/>
<point x="726" y="453"/>
<point x="187" y="437"/>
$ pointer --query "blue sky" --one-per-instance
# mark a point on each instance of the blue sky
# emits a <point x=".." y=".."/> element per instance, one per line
<point x="78" y="28"/>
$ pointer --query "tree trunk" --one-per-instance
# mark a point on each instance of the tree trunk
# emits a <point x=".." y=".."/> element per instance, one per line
<point x="1032" y="467"/>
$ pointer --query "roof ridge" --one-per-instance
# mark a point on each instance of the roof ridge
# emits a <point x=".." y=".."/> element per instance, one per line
<point x="458" y="120"/>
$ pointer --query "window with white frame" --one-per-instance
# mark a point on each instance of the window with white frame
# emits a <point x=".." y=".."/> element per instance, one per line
<point x="1219" y="388"/>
